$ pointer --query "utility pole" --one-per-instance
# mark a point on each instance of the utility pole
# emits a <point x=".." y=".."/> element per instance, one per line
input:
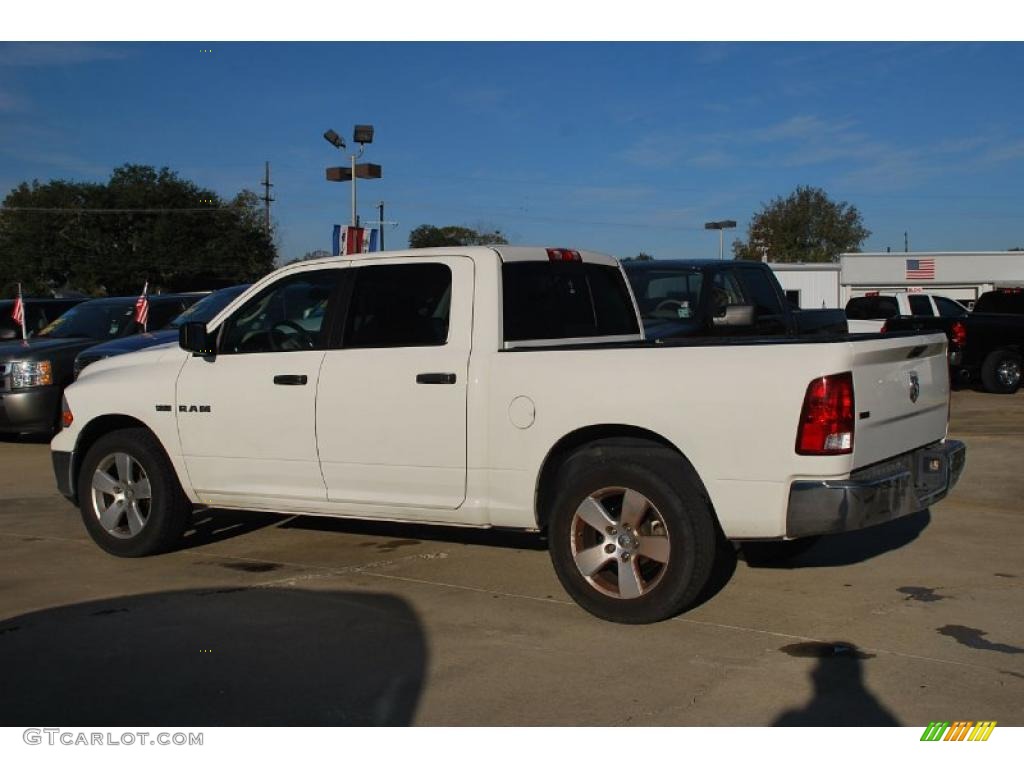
<point x="380" y="218"/>
<point x="267" y="199"/>
<point x="906" y="242"/>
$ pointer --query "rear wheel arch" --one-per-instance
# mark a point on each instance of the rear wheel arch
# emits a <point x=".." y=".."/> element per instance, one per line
<point x="617" y="437"/>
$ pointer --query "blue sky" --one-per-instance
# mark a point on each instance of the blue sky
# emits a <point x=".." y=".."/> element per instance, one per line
<point x="614" y="147"/>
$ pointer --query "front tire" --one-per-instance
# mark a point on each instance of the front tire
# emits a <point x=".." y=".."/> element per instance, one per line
<point x="631" y="536"/>
<point x="1001" y="372"/>
<point x="129" y="496"/>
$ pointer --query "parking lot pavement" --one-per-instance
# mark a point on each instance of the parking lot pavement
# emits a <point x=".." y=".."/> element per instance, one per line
<point x="263" y="619"/>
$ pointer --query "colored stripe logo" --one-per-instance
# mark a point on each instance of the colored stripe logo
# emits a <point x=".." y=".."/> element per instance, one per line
<point x="959" y="730"/>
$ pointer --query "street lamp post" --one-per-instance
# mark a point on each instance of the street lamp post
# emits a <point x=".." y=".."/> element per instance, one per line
<point x="361" y="135"/>
<point x="721" y="226"/>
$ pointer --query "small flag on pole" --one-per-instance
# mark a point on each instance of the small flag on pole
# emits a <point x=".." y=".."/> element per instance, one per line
<point x="142" y="307"/>
<point x="353" y="240"/>
<point x="18" y="313"/>
<point x="370" y="243"/>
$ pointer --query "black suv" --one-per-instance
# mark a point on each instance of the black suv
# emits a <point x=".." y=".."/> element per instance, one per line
<point x="33" y="373"/>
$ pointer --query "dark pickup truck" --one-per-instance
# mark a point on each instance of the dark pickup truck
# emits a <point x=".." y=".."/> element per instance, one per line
<point x="985" y="345"/>
<point x="34" y="372"/>
<point x="686" y="298"/>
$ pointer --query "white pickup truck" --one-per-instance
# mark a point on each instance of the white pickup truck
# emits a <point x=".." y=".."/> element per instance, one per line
<point x="508" y="387"/>
<point x="868" y="313"/>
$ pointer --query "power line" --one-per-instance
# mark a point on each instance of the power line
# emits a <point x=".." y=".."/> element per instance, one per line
<point x="267" y="199"/>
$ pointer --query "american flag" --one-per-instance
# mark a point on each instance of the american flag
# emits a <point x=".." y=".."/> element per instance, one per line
<point x="142" y="307"/>
<point x="920" y="269"/>
<point x="18" y="312"/>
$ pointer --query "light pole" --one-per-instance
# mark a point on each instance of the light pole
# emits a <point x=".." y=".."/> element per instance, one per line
<point x="361" y="135"/>
<point x="721" y="226"/>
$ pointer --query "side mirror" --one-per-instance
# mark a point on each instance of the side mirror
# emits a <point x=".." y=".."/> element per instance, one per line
<point x="194" y="338"/>
<point x="735" y="316"/>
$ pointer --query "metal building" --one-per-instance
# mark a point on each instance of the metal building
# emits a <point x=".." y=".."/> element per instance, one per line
<point x="811" y="286"/>
<point x="959" y="275"/>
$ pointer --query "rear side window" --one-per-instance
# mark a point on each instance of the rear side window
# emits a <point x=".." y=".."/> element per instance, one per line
<point x="948" y="307"/>
<point x="920" y="306"/>
<point x="162" y="312"/>
<point x="872" y="308"/>
<point x="857" y="309"/>
<point x="565" y="300"/>
<point x="399" y="305"/>
<point x="761" y="290"/>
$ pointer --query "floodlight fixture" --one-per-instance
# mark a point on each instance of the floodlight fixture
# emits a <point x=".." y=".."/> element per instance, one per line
<point x="333" y="137"/>
<point x="362" y="134"/>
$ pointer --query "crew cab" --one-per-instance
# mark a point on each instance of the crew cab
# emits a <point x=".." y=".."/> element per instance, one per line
<point x="507" y="387"/>
<point x="686" y="298"/>
<point x="986" y="345"/>
<point x="868" y="313"/>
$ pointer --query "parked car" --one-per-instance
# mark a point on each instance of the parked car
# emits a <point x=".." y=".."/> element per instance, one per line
<point x="1003" y="301"/>
<point x="34" y="373"/>
<point x="867" y="314"/>
<point x="512" y="388"/>
<point x="39" y="313"/>
<point x="202" y="311"/>
<point x="986" y="345"/>
<point x="688" y="298"/>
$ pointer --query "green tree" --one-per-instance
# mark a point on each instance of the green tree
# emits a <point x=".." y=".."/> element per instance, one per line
<point x="142" y="224"/>
<point x="642" y="256"/>
<point x="806" y="226"/>
<point x="429" y="236"/>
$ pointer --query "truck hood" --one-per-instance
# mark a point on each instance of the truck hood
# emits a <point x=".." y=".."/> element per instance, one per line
<point x="146" y="356"/>
<point x="133" y="343"/>
<point x="39" y="348"/>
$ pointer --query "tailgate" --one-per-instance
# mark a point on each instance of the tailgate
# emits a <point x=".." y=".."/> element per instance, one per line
<point x="901" y="395"/>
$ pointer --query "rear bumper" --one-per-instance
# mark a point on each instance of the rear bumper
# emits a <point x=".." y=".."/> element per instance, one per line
<point x="33" y="411"/>
<point x="895" y="488"/>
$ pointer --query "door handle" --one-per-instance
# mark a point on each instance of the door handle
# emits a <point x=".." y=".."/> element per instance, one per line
<point x="290" y="379"/>
<point x="435" y="378"/>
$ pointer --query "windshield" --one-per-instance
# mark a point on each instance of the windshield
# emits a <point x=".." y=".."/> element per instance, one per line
<point x="92" y="321"/>
<point x="666" y="294"/>
<point x="204" y="310"/>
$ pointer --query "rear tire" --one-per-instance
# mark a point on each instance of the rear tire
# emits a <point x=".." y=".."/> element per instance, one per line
<point x="1001" y="372"/>
<point x="129" y="496"/>
<point x="632" y="537"/>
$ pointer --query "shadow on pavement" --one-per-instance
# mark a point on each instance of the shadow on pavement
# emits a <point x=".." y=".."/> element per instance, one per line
<point x="212" y="525"/>
<point x="230" y="656"/>
<point x="840" y="697"/>
<point x="26" y="439"/>
<point x="722" y="570"/>
<point x="488" y="537"/>
<point x="838" y="549"/>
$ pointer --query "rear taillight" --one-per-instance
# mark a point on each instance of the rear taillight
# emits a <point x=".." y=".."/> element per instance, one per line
<point x="563" y="254"/>
<point x="958" y="334"/>
<point x="827" y="418"/>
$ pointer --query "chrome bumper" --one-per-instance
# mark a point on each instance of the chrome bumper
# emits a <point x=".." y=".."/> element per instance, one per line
<point x="875" y="494"/>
